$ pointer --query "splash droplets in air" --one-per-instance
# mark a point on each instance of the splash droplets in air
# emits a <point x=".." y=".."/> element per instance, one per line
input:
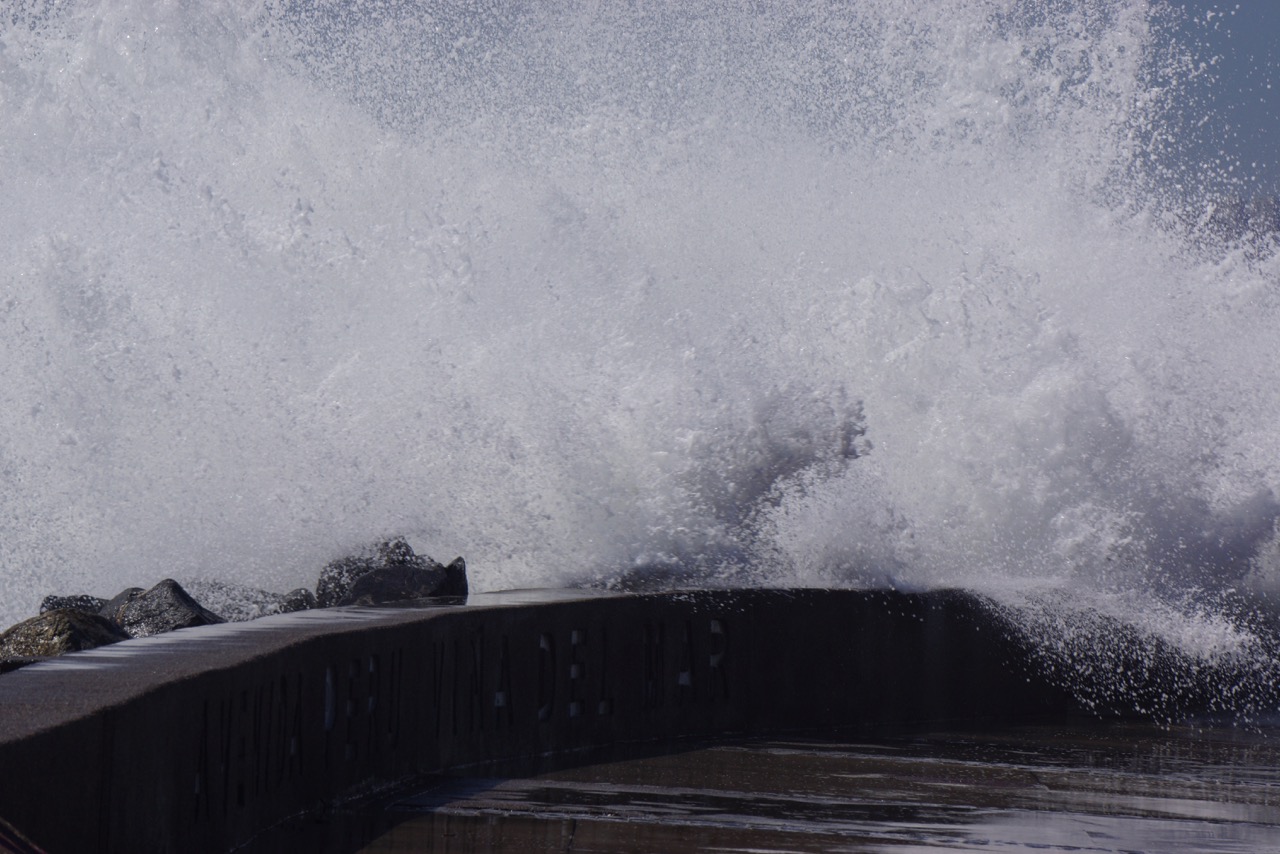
<point x="832" y="294"/>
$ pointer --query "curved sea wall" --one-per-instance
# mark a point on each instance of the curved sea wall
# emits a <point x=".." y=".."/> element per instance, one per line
<point x="199" y="739"/>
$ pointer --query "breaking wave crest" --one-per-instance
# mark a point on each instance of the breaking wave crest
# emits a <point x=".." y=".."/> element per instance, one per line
<point x="918" y="295"/>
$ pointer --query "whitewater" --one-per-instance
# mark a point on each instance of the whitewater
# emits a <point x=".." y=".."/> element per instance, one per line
<point x="862" y="294"/>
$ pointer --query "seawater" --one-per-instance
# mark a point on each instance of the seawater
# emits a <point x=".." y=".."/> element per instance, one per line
<point x="824" y="294"/>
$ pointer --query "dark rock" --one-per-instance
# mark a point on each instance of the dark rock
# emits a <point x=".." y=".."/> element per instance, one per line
<point x="301" y="599"/>
<point x="56" y="632"/>
<point x="397" y="552"/>
<point x="163" y="608"/>
<point x="401" y="583"/>
<point x="455" y="579"/>
<point x="337" y="578"/>
<point x="82" y="603"/>
<point x="394" y="584"/>
<point x="115" y="606"/>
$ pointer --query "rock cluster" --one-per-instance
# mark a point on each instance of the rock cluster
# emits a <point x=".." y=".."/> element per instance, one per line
<point x="161" y="609"/>
<point x="387" y="572"/>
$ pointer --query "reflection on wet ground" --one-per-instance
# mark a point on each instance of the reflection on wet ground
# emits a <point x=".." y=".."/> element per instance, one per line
<point x="1115" y="788"/>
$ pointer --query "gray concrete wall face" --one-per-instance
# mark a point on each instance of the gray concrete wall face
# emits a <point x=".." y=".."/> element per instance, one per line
<point x="199" y="740"/>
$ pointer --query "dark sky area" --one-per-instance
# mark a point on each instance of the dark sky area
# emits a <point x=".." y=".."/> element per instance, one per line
<point x="1244" y="121"/>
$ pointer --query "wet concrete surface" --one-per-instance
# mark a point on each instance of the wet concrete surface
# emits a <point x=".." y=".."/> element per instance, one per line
<point x="1093" y="788"/>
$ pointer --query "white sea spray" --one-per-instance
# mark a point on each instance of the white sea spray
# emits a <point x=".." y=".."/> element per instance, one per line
<point x="822" y="294"/>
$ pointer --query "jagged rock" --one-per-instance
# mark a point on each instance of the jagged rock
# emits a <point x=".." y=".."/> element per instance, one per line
<point x="58" y="631"/>
<point x="336" y="579"/>
<point x="455" y="579"/>
<point x="402" y="583"/>
<point x="301" y="599"/>
<point x="83" y="603"/>
<point x="397" y="552"/>
<point x="163" y="608"/>
<point x="338" y="576"/>
<point x="115" y="605"/>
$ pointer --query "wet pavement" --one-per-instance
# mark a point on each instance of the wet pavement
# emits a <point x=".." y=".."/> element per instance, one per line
<point x="1099" y="788"/>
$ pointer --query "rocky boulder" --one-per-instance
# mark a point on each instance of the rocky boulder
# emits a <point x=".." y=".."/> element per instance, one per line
<point x="115" y="606"/>
<point x="402" y="583"/>
<point x="163" y="608"/>
<point x="391" y="557"/>
<point x="58" y="631"/>
<point x="301" y="599"/>
<point x="455" y="579"/>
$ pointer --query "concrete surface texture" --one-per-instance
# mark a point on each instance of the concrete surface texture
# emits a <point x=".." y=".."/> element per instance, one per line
<point x="200" y="739"/>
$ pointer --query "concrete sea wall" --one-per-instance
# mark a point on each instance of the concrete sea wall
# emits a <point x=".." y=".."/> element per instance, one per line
<point x="199" y="739"/>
